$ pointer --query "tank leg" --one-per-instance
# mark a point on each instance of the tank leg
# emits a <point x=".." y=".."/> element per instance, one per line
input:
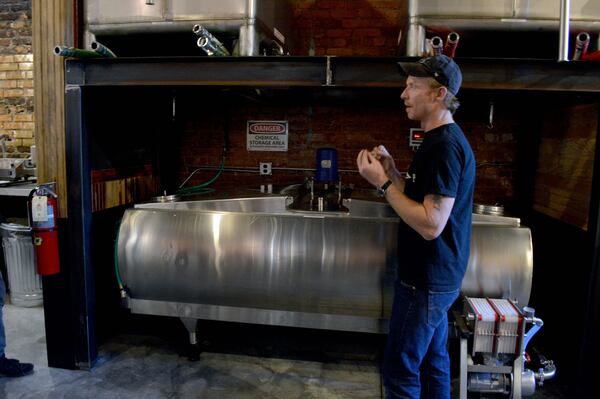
<point x="517" y="377"/>
<point x="193" y="347"/>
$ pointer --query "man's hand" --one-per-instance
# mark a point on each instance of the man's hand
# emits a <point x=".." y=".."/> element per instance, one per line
<point x="389" y="166"/>
<point x="383" y="156"/>
<point x="370" y="168"/>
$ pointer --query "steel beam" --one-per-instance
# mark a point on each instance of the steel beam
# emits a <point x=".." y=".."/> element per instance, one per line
<point x="490" y="74"/>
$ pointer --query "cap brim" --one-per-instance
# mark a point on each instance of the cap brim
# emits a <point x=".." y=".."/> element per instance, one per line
<point x="413" y="69"/>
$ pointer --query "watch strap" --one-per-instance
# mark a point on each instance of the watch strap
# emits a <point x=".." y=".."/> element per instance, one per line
<point x="382" y="190"/>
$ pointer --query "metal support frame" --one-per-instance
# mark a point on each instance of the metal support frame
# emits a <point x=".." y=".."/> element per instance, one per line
<point x="79" y="223"/>
<point x="517" y="377"/>
<point x="463" y="368"/>
<point x="283" y="72"/>
<point x="320" y="72"/>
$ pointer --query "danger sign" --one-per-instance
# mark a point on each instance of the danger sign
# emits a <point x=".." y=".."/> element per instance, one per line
<point x="267" y="136"/>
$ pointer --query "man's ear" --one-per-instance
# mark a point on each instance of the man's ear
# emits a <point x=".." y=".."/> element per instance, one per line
<point x="441" y="93"/>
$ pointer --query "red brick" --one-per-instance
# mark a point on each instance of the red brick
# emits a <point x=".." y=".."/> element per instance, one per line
<point x="338" y="33"/>
<point x="366" y="32"/>
<point x="344" y="13"/>
<point x="387" y="4"/>
<point x="320" y="14"/>
<point x="338" y="42"/>
<point x="329" y="4"/>
<point x="303" y="4"/>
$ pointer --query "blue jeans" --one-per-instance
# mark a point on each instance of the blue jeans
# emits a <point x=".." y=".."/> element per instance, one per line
<point x="417" y="344"/>
<point x="2" y="335"/>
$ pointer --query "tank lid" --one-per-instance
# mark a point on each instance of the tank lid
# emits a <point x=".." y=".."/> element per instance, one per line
<point x="15" y="227"/>
<point x="166" y="198"/>
<point x="483" y="209"/>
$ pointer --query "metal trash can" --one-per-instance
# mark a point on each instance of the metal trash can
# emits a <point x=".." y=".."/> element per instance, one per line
<point x="24" y="282"/>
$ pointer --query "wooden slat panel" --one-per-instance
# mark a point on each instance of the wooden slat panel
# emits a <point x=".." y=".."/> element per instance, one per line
<point x="50" y="26"/>
<point x="109" y="194"/>
<point x="116" y="187"/>
<point x="565" y="163"/>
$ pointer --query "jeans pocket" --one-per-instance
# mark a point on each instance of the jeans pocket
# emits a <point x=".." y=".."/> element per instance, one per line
<point x="408" y="286"/>
<point x="438" y="304"/>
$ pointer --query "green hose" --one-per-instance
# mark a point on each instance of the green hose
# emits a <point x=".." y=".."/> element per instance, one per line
<point x="203" y="188"/>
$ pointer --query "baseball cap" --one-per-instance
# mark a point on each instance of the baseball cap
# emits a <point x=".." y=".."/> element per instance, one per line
<point x="440" y="67"/>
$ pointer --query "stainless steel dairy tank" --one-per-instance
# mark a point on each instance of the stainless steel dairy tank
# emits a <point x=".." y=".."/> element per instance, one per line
<point x="252" y="260"/>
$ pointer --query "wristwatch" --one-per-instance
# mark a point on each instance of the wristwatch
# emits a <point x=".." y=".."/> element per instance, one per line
<point x="383" y="188"/>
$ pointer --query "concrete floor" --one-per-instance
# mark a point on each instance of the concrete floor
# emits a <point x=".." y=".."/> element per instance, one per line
<point x="148" y="366"/>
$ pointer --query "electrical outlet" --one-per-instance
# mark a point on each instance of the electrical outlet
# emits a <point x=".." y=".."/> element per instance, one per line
<point x="265" y="168"/>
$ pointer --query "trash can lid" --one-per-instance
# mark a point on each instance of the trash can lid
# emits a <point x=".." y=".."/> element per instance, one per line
<point x="15" y="227"/>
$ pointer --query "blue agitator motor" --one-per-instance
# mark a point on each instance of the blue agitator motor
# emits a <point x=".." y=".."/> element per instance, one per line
<point x="327" y="165"/>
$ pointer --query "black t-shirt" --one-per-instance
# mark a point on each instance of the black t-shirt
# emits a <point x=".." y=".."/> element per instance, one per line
<point x="443" y="165"/>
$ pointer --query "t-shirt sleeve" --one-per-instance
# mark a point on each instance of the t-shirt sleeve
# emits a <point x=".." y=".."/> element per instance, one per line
<point x="443" y="170"/>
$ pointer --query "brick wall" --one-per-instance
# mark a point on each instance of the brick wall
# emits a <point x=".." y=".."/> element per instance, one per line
<point x="348" y="127"/>
<point x="348" y="27"/>
<point x="16" y="76"/>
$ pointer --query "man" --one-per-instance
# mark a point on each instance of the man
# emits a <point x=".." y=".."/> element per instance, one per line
<point x="9" y="367"/>
<point x="435" y="204"/>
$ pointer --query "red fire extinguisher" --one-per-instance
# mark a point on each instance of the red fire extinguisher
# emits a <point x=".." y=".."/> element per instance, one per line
<point x="43" y="207"/>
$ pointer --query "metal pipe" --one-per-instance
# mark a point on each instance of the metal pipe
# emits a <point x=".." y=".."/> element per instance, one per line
<point x="437" y="45"/>
<point x="248" y="38"/>
<point x="252" y="169"/>
<point x="248" y="33"/>
<point x="581" y="45"/>
<point x="415" y="39"/>
<point x="547" y="373"/>
<point x="207" y="42"/>
<point x="64" y="51"/>
<point x="563" y="45"/>
<point x="102" y="50"/>
<point x="451" y="44"/>
<point x="251" y="4"/>
<point x="328" y="72"/>
<point x="210" y="47"/>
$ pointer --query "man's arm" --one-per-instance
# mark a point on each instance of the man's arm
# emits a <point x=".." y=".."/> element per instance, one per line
<point x="429" y="218"/>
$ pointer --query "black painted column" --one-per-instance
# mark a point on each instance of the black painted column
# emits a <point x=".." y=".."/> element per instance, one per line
<point x="69" y="297"/>
<point x="589" y="365"/>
